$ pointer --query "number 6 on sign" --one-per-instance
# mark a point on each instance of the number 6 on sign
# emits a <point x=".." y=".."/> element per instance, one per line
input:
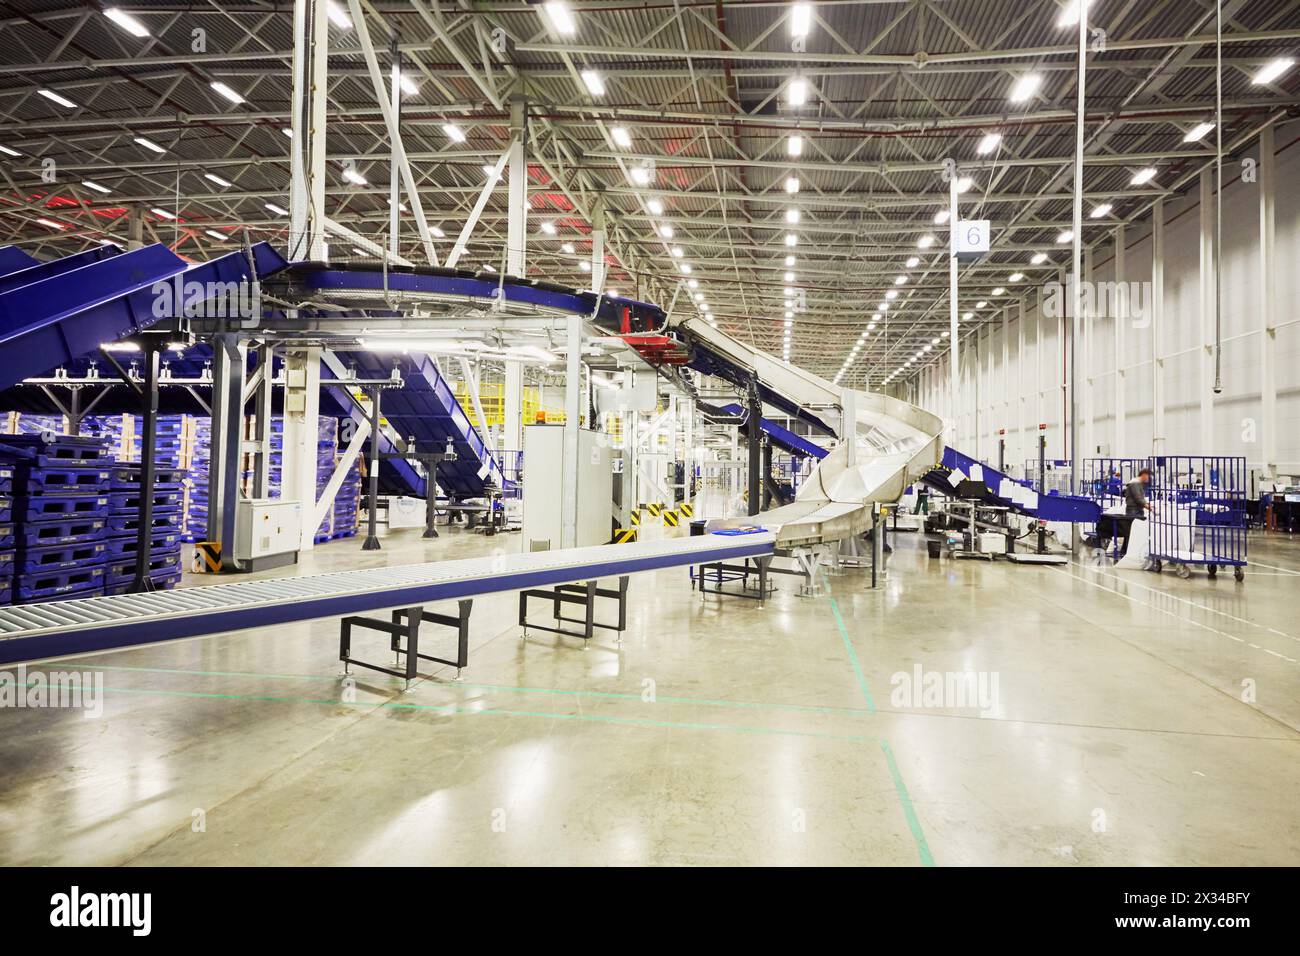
<point x="972" y="238"/>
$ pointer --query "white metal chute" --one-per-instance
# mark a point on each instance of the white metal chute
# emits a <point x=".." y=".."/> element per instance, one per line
<point x="895" y="443"/>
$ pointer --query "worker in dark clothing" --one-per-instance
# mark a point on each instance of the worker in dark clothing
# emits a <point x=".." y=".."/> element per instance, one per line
<point x="1136" y="506"/>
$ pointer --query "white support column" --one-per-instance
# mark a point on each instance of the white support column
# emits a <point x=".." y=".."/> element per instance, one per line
<point x="1205" y="334"/>
<point x="472" y="387"/>
<point x="298" y="197"/>
<point x="512" y="436"/>
<point x="1087" y="439"/>
<point x="598" y="248"/>
<point x="849" y="427"/>
<point x="341" y="468"/>
<point x="572" y="411"/>
<point x="1004" y="426"/>
<point x="301" y="432"/>
<point x="955" y="374"/>
<point x="1022" y="403"/>
<point x="517" y="191"/>
<point x="1121" y="319"/>
<point x="318" y="94"/>
<point x="1158" y="326"/>
<point x="1267" y="429"/>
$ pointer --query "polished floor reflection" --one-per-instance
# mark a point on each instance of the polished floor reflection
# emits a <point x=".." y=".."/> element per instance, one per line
<point x="965" y="713"/>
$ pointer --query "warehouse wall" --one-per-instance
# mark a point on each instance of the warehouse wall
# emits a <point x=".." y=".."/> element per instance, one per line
<point x="1013" y="370"/>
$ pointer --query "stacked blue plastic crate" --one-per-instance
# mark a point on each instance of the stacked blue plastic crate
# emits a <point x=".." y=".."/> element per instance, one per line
<point x="58" y="507"/>
<point x="347" y="502"/>
<point x="6" y="533"/>
<point x="122" y="540"/>
<point x="196" y="484"/>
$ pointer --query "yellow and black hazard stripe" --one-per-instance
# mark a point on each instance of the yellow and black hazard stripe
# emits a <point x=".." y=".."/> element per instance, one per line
<point x="671" y="518"/>
<point x="686" y="509"/>
<point x="634" y="518"/>
<point x="655" y="509"/>
<point x="624" y="535"/>
<point x="210" y="552"/>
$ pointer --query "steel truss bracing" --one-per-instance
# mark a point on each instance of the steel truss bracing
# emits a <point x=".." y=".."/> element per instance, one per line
<point x="677" y="154"/>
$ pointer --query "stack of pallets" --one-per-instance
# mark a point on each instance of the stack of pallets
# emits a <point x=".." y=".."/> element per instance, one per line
<point x="122" y="540"/>
<point x="58" y="516"/>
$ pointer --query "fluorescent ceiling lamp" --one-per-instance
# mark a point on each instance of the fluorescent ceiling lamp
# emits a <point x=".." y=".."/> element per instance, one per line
<point x="95" y="186"/>
<point x="9" y="152"/>
<point x="925" y="242"/>
<point x="913" y="262"/>
<point x="655" y="206"/>
<point x="454" y="132"/>
<point x="548" y="228"/>
<point x="213" y="177"/>
<point x="686" y="268"/>
<point x="988" y="143"/>
<point x="1015" y="277"/>
<point x="1099" y="212"/>
<point x="437" y="233"/>
<point x="278" y="210"/>
<point x="1038" y="258"/>
<point x="557" y="11"/>
<point x="1197" y="132"/>
<point x="567" y="248"/>
<point x="219" y="236"/>
<point x="408" y="85"/>
<point x="286" y="131"/>
<point x="900" y="280"/>
<point x="790" y="260"/>
<point x="61" y="100"/>
<point x="51" y="223"/>
<point x="666" y="231"/>
<point x="794" y="145"/>
<point x="797" y="92"/>
<point x="337" y="15"/>
<point x="413" y="345"/>
<point x="163" y="213"/>
<point x="791" y="239"/>
<point x="1271" y="70"/>
<point x="1070" y="15"/>
<point x="980" y="304"/>
<point x="1143" y="176"/>
<point x="1025" y="87"/>
<point x="677" y="252"/>
<point x="1066" y="236"/>
<point x="941" y="217"/>
<point x="489" y="171"/>
<point x="792" y="216"/>
<point x="800" y="19"/>
<point x="891" y="295"/>
<point x="999" y="291"/>
<point x="127" y="22"/>
<point x="612" y="293"/>
<point x="789" y="277"/>
<point x="964" y="184"/>
<point x="641" y="175"/>
<point x="693" y="284"/>
<point x="584" y="265"/>
<point x="354" y="177"/>
<point x="792" y="184"/>
<point x="592" y="81"/>
<point x="227" y="92"/>
<point x="621" y="137"/>
<point x="149" y="144"/>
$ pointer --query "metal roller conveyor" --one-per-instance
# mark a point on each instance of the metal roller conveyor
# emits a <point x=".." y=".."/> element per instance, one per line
<point x="32" y="631"/>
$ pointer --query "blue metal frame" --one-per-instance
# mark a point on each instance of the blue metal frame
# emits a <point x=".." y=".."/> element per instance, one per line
<point x="1051" y="507"/>
<point x="1199" y="516"/>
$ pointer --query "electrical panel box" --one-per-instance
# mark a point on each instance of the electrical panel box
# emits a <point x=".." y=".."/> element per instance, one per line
<point x="545" y="483"/>
<point x="268" y="532"/>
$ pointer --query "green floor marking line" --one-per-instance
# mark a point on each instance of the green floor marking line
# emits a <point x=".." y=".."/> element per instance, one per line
<point x="853" y="658"/>
<point x="454" y="709"/>
<point x="507" y="688"/>
<point x="909" y="811"/>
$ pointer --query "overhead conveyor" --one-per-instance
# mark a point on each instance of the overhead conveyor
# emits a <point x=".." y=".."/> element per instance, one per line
<point x="51" y="315"/>
<point x="31" y="632"/>
<point x="425" y="409"/>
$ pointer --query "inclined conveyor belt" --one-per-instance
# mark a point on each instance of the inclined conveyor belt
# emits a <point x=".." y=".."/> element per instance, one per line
<point x="32" y="631"/>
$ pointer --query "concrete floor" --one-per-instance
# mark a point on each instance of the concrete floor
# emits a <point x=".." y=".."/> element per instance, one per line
<point x="718" y="733"/>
